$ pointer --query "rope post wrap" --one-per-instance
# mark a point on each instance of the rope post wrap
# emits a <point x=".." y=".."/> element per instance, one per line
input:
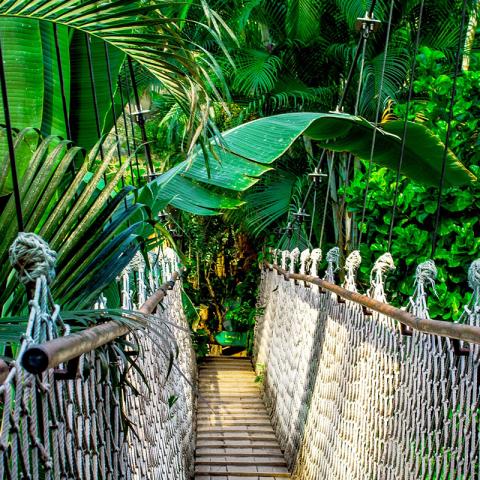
<point x="32" y="258"/>
<point x="382" y="266"/>
<point x="333" y="260"/>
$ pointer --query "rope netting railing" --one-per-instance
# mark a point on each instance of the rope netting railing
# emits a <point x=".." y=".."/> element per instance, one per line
<point x="352" y="393"/>
<point x="113" y="413"/>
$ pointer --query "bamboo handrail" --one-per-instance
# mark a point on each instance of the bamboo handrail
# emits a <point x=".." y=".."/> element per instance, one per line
<point x="457" y="331"/>
<point x="38" y="358"/>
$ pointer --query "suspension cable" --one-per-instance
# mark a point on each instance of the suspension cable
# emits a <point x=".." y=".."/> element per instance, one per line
<point x="324" y="217"/>
<point x="360" y="78"/>
<point x="94" y="93"/>
<point x="449" y="128"/>
<point x="62" y="85"/>
<point x="404" y="136"/>
<point x="124" y="117"/>
<point x="112" y="102"/>
<point x="132" y="125"/>
<point x="377" y="115"/>
<point x="313" y="215"/>
<point x="11" y="148"/>
<point x="360" y="50"/>
<point x="140" y="118"/>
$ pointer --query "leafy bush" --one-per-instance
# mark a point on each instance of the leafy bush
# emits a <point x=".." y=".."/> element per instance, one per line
<point x="458" y="241"/>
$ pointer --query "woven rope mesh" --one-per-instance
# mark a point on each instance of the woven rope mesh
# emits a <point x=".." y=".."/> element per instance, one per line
<point x="76" y="429"/>
<point x="353" y="398"/>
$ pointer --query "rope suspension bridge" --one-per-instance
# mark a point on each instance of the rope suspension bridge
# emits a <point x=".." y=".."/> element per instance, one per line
<point x="353" y="387"/>
<point x="342" y="385"/>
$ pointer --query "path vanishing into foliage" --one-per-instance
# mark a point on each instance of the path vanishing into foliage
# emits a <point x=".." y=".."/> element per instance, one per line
<point x="235" y="438"/>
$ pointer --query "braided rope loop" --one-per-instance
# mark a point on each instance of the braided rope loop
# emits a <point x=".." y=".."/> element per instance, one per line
<point x="382" y="266"/>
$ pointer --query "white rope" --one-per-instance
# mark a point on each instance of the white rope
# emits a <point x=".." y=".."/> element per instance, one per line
<point x="474" y="278"/>
<point x="294" y="255"/>
<point x="382" y="266"/>
<point x="315" y="258"/>
<point x="305" y="261"/>
<point x="352" y="263"/>
<point x="351" y="398"/>
<point x="333" y="260"/>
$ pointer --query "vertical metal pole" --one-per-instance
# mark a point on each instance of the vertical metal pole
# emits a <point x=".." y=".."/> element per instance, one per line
<point x="112" y="102"/>
<point x="94" y="90"/>
<point x="11" y="150"/>
<point x="132" y="125"/>
<point x="140" y="119"/>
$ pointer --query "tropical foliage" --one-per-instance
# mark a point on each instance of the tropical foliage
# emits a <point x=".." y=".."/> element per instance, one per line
<point x="458" y="238"/>
<point x="62" y="63"/>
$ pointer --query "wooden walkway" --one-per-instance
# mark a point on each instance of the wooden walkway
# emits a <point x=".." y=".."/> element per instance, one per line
<point x="235" y="439"/>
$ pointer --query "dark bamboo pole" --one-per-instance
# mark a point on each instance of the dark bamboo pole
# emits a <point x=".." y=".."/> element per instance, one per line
<point x="39" y="358"/>
<point x="11" y="148"/>
<point x="61" y="78"/>
<point x="94" y="93"/>
<point x="441" y="328"/>
<point x="140" y="118"/>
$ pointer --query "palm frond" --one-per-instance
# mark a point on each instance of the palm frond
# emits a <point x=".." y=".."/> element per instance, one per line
<point x="141" y="31"/>
<point x="256" y="73"/>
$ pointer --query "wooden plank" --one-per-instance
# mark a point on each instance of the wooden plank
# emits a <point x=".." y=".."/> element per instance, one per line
<point x="228" y="460"/>
<point x="235" y="438"/>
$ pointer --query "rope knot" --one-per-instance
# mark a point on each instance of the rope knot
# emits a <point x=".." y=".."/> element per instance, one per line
<point x="333" y="256"/>
<point x="426" y="272"/>
<point x="353" y="261"/>
<point x="32" y="257"/>
<point x="474" y="275"/>
<point x="304" y="261"/>
<point x="384" y="264"/>
<point x="333" y="260"/>
<point x="315" y="259"/>
<point x="294" y="255"/>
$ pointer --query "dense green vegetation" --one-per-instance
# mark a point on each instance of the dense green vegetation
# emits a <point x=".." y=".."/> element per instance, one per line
<point x="206" y="68"/>
<point x="458" y="241"/>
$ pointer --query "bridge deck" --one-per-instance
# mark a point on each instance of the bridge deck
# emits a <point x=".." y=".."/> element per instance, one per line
<point x="235" y="439"/>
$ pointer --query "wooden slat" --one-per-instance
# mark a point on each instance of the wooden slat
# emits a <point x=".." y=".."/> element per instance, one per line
<point x="235" y="438"/>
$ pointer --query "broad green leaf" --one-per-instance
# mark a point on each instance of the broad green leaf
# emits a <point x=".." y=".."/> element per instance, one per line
<point x="190" y="196"/>
<point x="53" y="119"/>
<point x="82" y="118"/>
<point x="22" y="56"/>
<point x="266" y="139"/>
<point x="227" y="170"/>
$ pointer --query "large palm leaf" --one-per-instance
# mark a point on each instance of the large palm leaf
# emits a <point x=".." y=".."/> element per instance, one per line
<point x="121" y="24"/>
<point x="92" y="231"/>
<point x="141" y="31"/>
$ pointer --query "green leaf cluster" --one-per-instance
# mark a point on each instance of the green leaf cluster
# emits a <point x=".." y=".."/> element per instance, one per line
<point x="459" y="231"/>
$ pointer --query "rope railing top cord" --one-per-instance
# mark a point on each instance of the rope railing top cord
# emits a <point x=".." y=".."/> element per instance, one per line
<point x="441" y="328"/>
<point x="39" y="358"/>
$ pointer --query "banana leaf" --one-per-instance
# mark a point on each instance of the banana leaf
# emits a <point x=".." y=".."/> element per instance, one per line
<point x="265" y="140"/>
<point x="82" y="118"/>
